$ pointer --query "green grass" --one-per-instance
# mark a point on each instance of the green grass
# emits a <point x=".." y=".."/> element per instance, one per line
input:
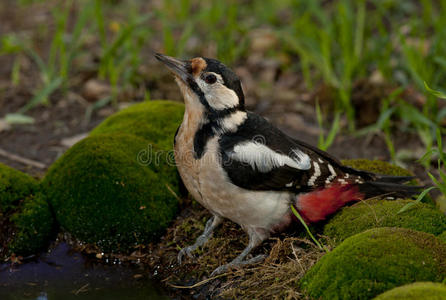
<point x="438" y="153"/>
<point x="120" y="54"/>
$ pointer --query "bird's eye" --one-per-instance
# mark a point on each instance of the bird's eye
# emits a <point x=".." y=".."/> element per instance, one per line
<point x="210" y="78"/>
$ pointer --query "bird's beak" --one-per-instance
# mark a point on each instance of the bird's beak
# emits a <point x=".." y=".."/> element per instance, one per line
<point x="178" y="67"/>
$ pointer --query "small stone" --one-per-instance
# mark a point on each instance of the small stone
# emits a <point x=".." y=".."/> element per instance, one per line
<point x="106" y="111"/>
<point x="4" y="126"/>
<point x="377" y="77"/>
<point x="263" y="40"/>
<point x="69" y="142"/>
<point x="95" y="89"/>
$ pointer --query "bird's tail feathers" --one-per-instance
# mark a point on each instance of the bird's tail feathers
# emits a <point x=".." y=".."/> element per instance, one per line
<point x="389" y="188"/>
<point x="394" y="179"/>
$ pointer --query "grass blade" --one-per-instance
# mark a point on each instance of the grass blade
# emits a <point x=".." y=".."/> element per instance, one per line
<point x="322" y="247"/>
<point x="419" y="198"/>
<point x="437" y="94"/>
<point x="18" y="119"/>
<point x="42" y="95"/>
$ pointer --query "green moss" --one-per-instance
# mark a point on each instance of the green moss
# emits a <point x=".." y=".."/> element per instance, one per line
<point x="25" y="219"/>
<point x="416" y="291"/>
<point x="374" y="261"/>
<point x="442" y="236"/>
<point x="383" y="213"/>
<point x="155" y="121"/>
<point x="376" y="166"/>
<point x="33" y="226"/>
<point x="115" y="190"/>
<point x="14" y="186"/>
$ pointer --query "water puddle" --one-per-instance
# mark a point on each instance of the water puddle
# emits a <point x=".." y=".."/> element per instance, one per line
<point x="62" y="274"/>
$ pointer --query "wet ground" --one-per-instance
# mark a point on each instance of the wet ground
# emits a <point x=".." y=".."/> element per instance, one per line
<point x="64" y="274"/>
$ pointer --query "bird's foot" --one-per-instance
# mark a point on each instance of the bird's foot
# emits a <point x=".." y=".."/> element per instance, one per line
<point x="236" y="264"/>
<point x="185" y="251"/>
<point x="211" y="224"/>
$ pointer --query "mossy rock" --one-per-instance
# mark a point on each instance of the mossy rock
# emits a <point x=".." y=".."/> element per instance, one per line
<point x="104" y="193"/>
<point x="33" y="226"/>
<point x="367" y="264"/>
<point x="442" y="236"/>
<point x="14" y="186"/>
<point x="376" y="166"/>
<point x="156" y="121"/>
<point x="26" y="221"/>
<point x="384" y="213"/>
<point x="416" y="291"/>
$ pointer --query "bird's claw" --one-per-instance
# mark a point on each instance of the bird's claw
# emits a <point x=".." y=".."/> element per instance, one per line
<point x="185" y="251"/>
<point x="220" y="270"/>
<point x="224" y="268"/>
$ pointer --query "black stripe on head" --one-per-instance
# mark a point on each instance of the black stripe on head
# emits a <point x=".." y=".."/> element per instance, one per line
<point x="194" y="86"/>
<point x="230" y="79"/>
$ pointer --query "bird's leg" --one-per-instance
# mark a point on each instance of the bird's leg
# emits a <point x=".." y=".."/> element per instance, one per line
<point x="256" y="237"/>
<point x="211" y="224"/>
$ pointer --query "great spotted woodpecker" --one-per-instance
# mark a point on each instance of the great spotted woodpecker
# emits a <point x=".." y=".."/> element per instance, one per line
<point x="240" y="167"/>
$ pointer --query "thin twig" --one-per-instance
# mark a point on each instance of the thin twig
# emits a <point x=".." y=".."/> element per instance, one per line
<point x="172" y="192"/>
<point x="22" y="160"/>
<point x="82" y="289"/>
<point x="198" y="283"/>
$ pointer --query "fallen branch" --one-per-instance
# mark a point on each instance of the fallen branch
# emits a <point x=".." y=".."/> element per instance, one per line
<point x="22" y="160"/>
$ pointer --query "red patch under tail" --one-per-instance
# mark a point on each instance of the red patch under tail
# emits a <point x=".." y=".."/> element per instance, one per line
<point x="316" y="206"/>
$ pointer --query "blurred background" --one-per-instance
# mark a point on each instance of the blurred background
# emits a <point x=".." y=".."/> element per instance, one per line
<point x="357" y="78"/>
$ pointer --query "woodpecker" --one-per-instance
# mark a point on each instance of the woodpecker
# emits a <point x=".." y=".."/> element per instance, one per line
<point x="239" y="166"/>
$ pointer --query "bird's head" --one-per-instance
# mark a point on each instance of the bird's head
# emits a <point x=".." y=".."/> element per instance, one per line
<point x="207" y="83"/>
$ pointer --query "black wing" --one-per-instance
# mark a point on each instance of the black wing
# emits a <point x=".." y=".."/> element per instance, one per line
<point x="262" y="172"/>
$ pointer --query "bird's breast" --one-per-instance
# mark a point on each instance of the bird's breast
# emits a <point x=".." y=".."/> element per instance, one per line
<point x="187" y="165"/>
<point x="208" y="182"/>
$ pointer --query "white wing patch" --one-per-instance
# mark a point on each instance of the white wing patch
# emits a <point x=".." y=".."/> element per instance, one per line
<point x="332" y="174"/>
<point x="262" y="158"/>
<point x="316" y="174"/>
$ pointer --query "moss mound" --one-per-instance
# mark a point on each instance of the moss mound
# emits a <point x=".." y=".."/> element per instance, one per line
<point x="376" y="166"/>
<point x="442" y="236"/>
<point x="25" y="219"/>
<point x="416" y="291"/>
<point x="155" y="121"/>
<point x="14" y="186"/>
<point x="383" y="213"/>
<point x="33" y="226"/>
<point x="374" y="261"/>
<point x="103" y="192"/>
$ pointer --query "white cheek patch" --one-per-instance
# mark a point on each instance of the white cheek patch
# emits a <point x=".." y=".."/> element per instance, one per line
<point x="264" y="159"/>
<point x="218" y="95"/>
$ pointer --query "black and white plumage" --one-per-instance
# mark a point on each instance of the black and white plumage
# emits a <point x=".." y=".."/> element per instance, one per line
<point x="239" y="166"/>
